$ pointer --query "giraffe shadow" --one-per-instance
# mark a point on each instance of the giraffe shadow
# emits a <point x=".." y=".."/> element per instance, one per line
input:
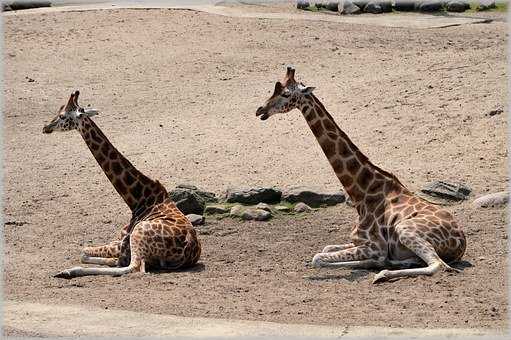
<point x="352" y="276"/>
<point x="199" y="267"/>
<point x="357" y="275"/>
<point x="461" y="265"/>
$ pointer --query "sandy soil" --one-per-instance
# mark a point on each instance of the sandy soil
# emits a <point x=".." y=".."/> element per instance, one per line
<point x="178" y="92"/>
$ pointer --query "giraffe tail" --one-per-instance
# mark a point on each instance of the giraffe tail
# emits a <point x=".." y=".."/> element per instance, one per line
<point x="81" y="271"/>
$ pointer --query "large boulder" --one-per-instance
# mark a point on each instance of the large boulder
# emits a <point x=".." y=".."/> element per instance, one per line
<point x="485" y="5"/>
<point x="253" y="196"/>
<point x="302" y="4"/>
<point x="373" y="7"/>
<point x="188" y="201"/>
<point x="360" y="4"/>
<point x="313" y="197"/>
<point x="377" y="7"/>
<point x="457" y="6"/>
<point x="348" y="7"/>
<point x="447" y="191"/>
<point x="208" y="197"/>
<point x="404" y="5"/>
<point x="332" y="6"/>
<point x="23" y="4"/>
<point x="429" y="6"/>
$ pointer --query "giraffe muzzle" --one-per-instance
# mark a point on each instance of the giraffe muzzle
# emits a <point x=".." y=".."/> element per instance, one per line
<point x="47" y="129"/>
<point x="262" y="113"/>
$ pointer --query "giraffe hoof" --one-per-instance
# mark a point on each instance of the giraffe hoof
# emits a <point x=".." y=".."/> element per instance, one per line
<point x="380" y="277"/>
<point x="316" y="261"/>
<point x="68" y="273"/>
<point x="65" y="274"/>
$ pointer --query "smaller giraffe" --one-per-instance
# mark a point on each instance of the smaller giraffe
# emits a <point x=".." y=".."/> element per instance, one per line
<point x="159" y="235"/>
<point x="395" y="227"/>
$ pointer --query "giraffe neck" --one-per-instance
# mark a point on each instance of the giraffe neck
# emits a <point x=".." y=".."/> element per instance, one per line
<point x="357" y="174"/>
<point x="137" y="190"/>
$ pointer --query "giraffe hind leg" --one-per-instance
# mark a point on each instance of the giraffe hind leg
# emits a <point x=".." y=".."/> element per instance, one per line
<point x="422" y="248"/>
<point x="137" y="264"/>
<point x="138" y="255"/>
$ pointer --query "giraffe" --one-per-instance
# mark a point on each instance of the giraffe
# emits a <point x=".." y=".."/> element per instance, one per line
<point x="395" y="227"/>
<point x="158" y="234"/>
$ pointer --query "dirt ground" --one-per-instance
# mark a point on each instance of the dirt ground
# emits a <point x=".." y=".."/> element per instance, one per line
<point x="178" y="92"/>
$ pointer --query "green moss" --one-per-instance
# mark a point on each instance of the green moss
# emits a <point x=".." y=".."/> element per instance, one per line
<point x="311" y="8"/>
<point x="500" y="7"/>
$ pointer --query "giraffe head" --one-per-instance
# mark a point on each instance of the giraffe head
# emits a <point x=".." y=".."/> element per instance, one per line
<point x="69" y="115"/>
<point x="285" y="97"/>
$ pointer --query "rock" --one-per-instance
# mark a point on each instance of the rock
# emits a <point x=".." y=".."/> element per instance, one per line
<point x="449" y="191"/>
<point x="263" y="206"/>
<point x="253" y="196"/>
<point x="301" y="4"/>
<point x="312" y="196"/>
<point x="428" y="6"/>
<point x="360" y="4"/>
<point x="404" y="5"/>
<point x="195" y="219"/>
<point x="301" y="207"/>
<point x="256" y="214"/>
<point x="208" y="197"/>
<point x="485" y="5"/>
<point x="498" y="199"/>
<point x="216" y="209"/>
<point x="237" y="211"/>
<point x="348" y="7"/>
<point x="23" y="4"/>
<point x="188" y="201"/>
<point x="457" y="6"/>
<point x="373" y="7"/>
<point x="386" y="6"/>
<point x="282" y="208"/>
<point x="377" y="7"/>
<point x="332" y="6"/>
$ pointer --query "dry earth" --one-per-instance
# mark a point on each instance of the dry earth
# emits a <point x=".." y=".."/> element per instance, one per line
<point x="178" y="92"/>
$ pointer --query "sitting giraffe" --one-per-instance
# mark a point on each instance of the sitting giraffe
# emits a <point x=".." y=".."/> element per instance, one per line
<point x="158" y="235"/>
<point x="395" y="227"/>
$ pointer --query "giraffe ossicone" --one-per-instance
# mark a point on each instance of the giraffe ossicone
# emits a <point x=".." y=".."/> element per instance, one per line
<point x="158" y="235"/>
<point x="395" y="227"/>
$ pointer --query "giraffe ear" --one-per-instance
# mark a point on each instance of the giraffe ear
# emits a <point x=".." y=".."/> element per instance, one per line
<point x="88" y="112"/>
<point x="307" y="90"/>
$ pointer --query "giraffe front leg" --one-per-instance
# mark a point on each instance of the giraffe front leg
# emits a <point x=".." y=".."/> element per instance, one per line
<point x="107" y="254"/>
<point x="338" y="247"/>
<point x="353" y="257"/>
